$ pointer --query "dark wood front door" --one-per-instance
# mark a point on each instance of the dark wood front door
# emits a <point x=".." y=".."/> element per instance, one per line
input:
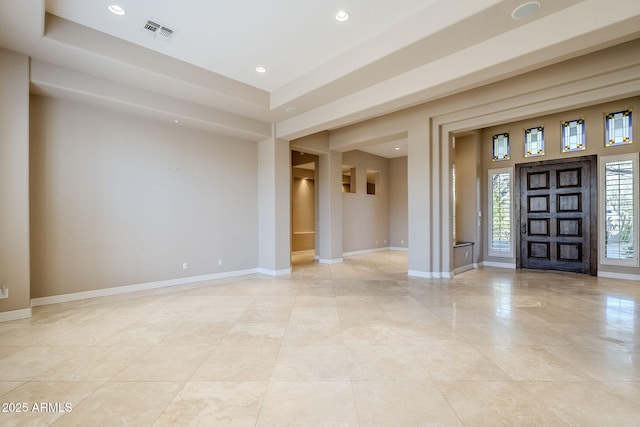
<point x="557" y="221"/>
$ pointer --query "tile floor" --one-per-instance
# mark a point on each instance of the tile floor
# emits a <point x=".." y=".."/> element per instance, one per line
<point x="357" y="343"/>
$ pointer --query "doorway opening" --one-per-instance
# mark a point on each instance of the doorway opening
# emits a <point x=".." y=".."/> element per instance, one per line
<point x="303" y="207"/>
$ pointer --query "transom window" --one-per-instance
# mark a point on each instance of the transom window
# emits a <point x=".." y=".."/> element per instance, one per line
<point x="619" y="128"/>
<point x="534" y="142"/>
<point x="501" y="149"/>
<point x="573" y="136"/>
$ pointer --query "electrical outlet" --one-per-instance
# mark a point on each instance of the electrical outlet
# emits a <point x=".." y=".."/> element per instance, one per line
<point x="402" y="242"/>
<point x="4" y="292"/>
<point x="219" y="261"/>
<point x="185" y="265"/>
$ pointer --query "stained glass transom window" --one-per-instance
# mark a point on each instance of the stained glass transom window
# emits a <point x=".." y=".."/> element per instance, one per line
<point x="501" y="149"/>
<point x="534" y="142"/>
<point x="619" y="128"/>
<point x="573" y="136"/>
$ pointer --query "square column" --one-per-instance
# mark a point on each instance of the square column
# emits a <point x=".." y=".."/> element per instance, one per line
<point x="329" y="230"/>
<point x="420" y="207"/>
<point x="274" y="194"/>
<point x="15" y="268"/>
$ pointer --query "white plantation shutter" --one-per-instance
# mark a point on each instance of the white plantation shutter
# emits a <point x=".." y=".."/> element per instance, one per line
<point x="619" y="206"/>
<point x="500" y="212"/>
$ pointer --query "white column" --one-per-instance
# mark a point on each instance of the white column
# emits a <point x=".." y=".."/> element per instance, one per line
<point x="419" y="191"/>
<point x="274" y="193"/>
<point x="14" y="185"/>
<point x="442" y="167"/>
<point x="330" y="210"/>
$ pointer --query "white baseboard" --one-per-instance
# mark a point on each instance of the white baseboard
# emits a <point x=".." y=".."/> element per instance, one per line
<point x="398" y="248"/>
<point x="365" y="251"/>
<point x="464" y="268"/>
<point x="330" y="261"/>
<point x="623" y="276"/>
<point x="498" y="264"/>
<point x="441" y="275"/>
<point x="422" y="274"/>
<point x="55" y="299"/>
<point x="282" y="272"/>
<point x="24" y="313"/>
<point x="306" y="252"/>
<point x="430" y="274"/>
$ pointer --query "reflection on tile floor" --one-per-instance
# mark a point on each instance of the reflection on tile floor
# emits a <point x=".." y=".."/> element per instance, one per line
<point x="357" y="343"/>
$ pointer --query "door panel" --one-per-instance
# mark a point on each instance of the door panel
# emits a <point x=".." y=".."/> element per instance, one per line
<point x="555" y="215"/>
<point x="539" y="204"/>
<point x="539" y="227"/>
<point x="570" y="227"/>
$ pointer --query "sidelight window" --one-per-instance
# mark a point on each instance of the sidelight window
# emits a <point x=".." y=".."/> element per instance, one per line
<point x="619" y="209"/>
<point x="453" y="199"/>
<point x="500" y="212"/>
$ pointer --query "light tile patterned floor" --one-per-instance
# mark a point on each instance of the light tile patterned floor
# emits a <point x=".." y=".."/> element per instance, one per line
<point x="357" y="343"/>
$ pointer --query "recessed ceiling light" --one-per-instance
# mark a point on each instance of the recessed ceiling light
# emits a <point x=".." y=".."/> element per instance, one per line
<point x="342" y="16"/>
<point x="292" y="110"/>
<point x="261" y="70"/>
<point x="397" y="148"/>
<point x="114" y="8"/>
<point x="525" y="10"/>
<point x="176" y="121"/>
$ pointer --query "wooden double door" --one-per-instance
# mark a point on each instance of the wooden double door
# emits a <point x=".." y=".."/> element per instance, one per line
<point x="556" y="204"/>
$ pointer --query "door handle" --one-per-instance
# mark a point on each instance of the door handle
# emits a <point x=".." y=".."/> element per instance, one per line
<point x="523" y="228"/>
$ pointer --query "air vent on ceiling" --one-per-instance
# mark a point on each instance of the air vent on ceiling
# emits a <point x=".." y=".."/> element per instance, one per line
<point x="166" y="33"/>
<point x="159" y="30"/>
<point x="151" y="26"/>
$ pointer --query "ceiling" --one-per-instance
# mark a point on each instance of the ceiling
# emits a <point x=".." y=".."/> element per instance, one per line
<point x="231" y="38"/>
<point x="321" y="74"/>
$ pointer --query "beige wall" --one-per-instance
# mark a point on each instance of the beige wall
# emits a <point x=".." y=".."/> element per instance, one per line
<point x="598" y="77"/>
<point x="373" y="221"/>
<point x="14" y="180"/>
<point x="118" y="199"/>
<point x="303" y="209"/>
<point x="595" y="135"/>
<point x="398" y="203"/>
<point x="468" y="182"/>
<point x="365" y="223"/>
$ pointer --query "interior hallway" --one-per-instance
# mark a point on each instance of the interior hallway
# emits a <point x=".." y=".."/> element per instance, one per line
<point x="357" y="343"/>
